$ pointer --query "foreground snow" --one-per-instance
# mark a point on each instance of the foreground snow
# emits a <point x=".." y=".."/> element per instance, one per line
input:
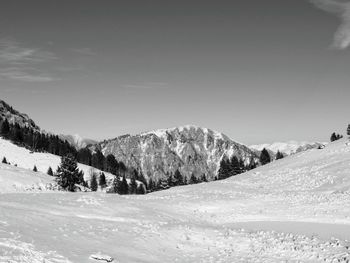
<point x="293" y="210"/>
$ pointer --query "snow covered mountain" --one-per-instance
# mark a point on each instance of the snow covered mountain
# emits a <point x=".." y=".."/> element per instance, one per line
<point x="190" y="149"/>
<point x="287" y="148"/>
<point x="77" y="141"/>
<point x="292" y="210"/>
<point x="13" y="116"/>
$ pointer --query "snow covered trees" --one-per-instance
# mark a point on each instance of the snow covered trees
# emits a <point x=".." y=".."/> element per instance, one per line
<point x="264" y="157"/>
<point x="68" y="173"/>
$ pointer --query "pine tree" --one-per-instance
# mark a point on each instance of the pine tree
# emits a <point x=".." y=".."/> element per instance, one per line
<point x="348" y="130"/>
<point x="193" y="179"/>
<point x="333" y="137"/>
<point x="279" y="155"/>
<point x="5" y="128"/>
<point x="178" y="178"/>
<point x="68" y="173"/>
<point x="115" y="185"/>
<point x="4" y="160"/>
<point x="102" y="180"/>
<point x="123" y="186"/>
<point x="93" y="183"/>
<point x="264" y="157"/>
<point x="141" y="190"/>
<point x="133" y="186"/>
<point x="35" y="169"/>
<point x="49" y="171"/>
<point x="223" y="169"/>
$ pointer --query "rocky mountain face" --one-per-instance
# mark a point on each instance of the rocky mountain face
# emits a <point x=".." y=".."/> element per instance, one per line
<point x="13" y="116"/>
<point x="190" y="149"/>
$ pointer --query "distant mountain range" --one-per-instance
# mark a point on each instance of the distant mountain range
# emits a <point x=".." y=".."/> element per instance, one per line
<point x="287" y="148"/>
<point x="192" y="150"/>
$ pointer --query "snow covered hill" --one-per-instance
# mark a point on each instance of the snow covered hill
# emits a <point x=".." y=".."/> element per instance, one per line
<point x="15" y="179"/>
<point x="292" y="210"/>
<point x="26" y="159"/>
<point x="287" y="148"/>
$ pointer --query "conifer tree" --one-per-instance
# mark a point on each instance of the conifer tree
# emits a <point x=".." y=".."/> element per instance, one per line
<point x="49" y="171"/>
<point x="279" y="155"/>
<point x="178" y="178"/>
<point x="68" y="173"/>
<point x="123" y="186"/>
<point x="93" y="183"/>
<point x="115" y="185"/>
<point x="333" y="137"/>
<point x="35" y="169"/>
<point x="5" y="128"/>
<point x="102" y="180"/>
<point x="193" y="179"/>
<point x="133" y="186"/>
<point x="264" y="157"/>
<point x="141" y="190"/>
<point x="4" y="160"/>
<point x="348" y="130"/>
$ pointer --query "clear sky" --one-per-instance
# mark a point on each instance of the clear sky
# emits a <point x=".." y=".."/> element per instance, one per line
<point x="258" y="71"/>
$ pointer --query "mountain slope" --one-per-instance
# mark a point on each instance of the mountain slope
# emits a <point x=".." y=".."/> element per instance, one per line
<point x="26" y="159"/>
<point x="190" y="149"/>
<point x="292" y="210"/>
<point x="13" y="116"/>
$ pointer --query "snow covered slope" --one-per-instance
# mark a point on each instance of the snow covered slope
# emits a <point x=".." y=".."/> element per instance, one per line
<point x="15" y="179"/>
<point x="289" y="211"/>
<point x="24" y="158"/>
<point x="288" y="148"/>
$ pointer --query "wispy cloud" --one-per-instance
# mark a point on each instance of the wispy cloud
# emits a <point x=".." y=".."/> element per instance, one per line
<point x="341" y="9"/>
<point x="84" y="51"/>
<point x="147" y="86"/>
<point x="23" y="63"/>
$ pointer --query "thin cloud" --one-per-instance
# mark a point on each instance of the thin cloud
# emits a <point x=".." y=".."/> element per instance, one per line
<point x="147" y="86"/>
<point x="84" y="51"/>
<point x="342" y="10"/>
<point x="23" y="63"/>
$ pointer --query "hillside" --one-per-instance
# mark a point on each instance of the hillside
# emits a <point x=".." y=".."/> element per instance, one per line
<point x="13" y="116"/>
<point x="189" y="149"/>
<point x="26" y="159"/>
<point x="292" y="210"/>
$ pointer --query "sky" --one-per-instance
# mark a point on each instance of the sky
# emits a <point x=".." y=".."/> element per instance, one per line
<point x="258" y="71"/>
